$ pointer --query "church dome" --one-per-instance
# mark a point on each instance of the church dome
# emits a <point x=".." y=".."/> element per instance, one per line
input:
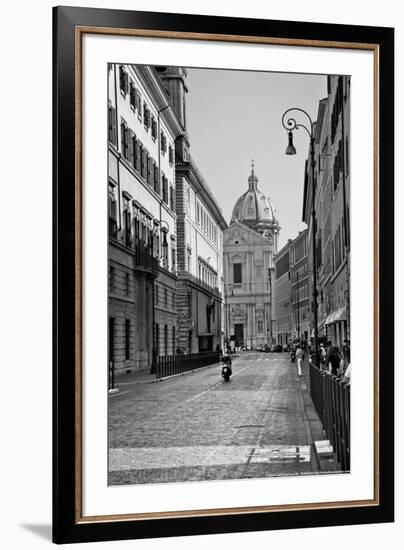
<point x="253" y="208"/>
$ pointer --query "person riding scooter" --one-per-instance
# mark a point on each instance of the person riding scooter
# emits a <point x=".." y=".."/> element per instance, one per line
<point x="227" y="366"/>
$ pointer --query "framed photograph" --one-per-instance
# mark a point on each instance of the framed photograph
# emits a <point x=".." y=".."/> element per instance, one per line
<point x="223" y="275"/>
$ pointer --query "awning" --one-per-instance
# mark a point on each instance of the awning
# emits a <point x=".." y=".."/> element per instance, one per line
<point x="335" y="316"/>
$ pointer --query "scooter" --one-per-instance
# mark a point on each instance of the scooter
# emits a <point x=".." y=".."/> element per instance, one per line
<point x="226" y="368"/>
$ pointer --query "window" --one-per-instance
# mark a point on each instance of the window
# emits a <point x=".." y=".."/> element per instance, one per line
<point x="164" y="182"/>
<point x="156" y="179"/>
<point x="143" y="170"/>
<point x="150" y="171"/>
<point x="132" y="95"/>
<point x="146" y="116"/>
<point x="124" y="139"/>
<point x="127" y="339"/>
<point x="260" y="326"/>
<point x="131" y="147"/>
<point x="165" y="297"/>
<point x="170" y="154"/>
<point x="137" y="154"/>
<point x="172" y="201"/>
<point x="112" y="227"/>
<point x="237" y="279"/>
<point x="139" y="104"/>
<point x="153" y="128"/>
<point x="174" y="346"/>
<point x="163" y="143"/>
<point x="123" y="80"/>
<point x="127" y="223"/>
<point x="347" y="155"/>
<point x="112" y="134"/>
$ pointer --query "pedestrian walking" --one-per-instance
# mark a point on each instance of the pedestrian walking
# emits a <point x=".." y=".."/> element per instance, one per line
<point x="334" y="361"/>
<point x="323" y="355"/>
<point x="299" y="359"/>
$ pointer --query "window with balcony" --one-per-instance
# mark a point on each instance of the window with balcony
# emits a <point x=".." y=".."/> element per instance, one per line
<point x="112" y="211"/>
<point x="127" y="222"/>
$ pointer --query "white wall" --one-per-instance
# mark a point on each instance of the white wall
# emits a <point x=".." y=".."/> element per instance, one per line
<point x="26" y="302"/>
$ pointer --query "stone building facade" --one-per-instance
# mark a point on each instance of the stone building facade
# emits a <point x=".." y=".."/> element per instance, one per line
<point x="142" y="252"/>
<point x="284" y="326"/>
<point x="250" y="242"/>
<point x="332" y="203"/>
<point x="299" y="280"/>
<point x="200" y="226"/>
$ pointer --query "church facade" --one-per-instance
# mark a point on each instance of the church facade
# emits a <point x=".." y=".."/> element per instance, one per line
<point x="249" y="244"/>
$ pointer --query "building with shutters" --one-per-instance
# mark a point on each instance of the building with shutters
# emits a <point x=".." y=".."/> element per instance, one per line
<point x="142" y="251"/>
<point x="299" y="281"/>
<point x="332" y="203"/>
<point x="200" y="225"/>
<point x="250" y="243"/>
<point x="284" y="326"/>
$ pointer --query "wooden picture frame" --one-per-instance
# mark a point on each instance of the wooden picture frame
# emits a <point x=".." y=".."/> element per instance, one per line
<point x="70" y="25"/>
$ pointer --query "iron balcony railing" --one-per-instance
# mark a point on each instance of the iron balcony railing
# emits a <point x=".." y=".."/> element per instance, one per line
<point x="145" y="260"/>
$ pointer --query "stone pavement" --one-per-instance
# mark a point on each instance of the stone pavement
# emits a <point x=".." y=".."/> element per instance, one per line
<point x="198" y="427"/>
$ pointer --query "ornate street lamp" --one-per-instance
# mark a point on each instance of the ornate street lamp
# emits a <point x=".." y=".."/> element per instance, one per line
<point x="290" y="124"/>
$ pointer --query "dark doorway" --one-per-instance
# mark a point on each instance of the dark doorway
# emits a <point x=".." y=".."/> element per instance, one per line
<point x="239" y="334"/>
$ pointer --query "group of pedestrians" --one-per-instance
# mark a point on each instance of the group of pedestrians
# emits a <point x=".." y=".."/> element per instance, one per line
<point x="336" y="361"/>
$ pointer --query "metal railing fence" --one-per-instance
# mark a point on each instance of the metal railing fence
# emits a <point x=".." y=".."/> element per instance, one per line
<point x="177" y="364"/>
<point x="332" y="399"/>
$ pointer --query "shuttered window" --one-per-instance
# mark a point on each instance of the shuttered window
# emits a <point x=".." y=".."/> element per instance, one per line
<point x="123" y="80"/>
<point x="112" y="125"/>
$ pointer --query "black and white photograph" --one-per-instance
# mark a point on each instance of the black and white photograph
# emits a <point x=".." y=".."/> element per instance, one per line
<point x="228" y="274"/>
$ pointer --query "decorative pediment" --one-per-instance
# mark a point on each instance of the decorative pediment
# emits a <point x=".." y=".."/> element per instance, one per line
<point x="239" y="234"/>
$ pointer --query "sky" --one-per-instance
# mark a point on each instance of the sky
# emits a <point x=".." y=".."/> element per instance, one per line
<point x="234" y="117"/>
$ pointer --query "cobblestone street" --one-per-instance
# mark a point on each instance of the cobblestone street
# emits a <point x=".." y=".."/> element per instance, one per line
<point x="198" y="427"/>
